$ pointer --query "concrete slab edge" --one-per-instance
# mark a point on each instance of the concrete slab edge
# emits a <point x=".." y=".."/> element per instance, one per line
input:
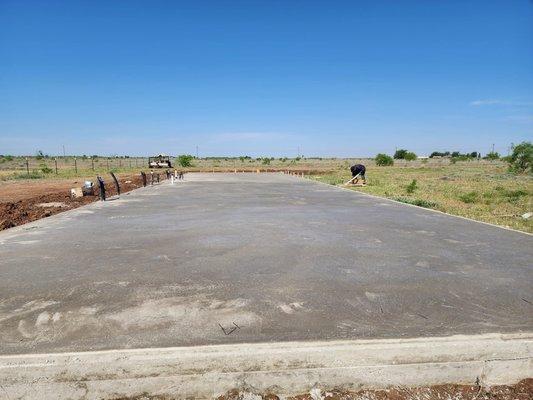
<point x="420" y="208"/>
<point x="95" y="205"/>
<point x="282" y="368"/>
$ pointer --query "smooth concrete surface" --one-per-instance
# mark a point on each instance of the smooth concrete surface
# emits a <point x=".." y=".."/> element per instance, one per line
<point x="243" y="258"/>
<point x="284" y="368"/>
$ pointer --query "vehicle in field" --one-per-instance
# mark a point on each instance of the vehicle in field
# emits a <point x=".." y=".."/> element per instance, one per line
<point x="159" y="161"/>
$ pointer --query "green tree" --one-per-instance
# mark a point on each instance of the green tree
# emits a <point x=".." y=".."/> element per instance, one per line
<point x="439" y="154"/>
<point x="185" y="160"/>
<point x="403" y="154"/>
<point x="521" y="160"/>
<point x="400" y="154"/>
<point x="384" y="160"/>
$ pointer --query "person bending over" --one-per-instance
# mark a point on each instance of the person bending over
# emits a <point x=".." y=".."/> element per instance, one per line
<point x="358" y="172"/>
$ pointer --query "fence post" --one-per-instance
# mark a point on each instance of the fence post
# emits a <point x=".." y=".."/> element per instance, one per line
<point x="101" y="184"/>
<point x="107" y="163"/>
<point x="55" y="161"/>
<point x="27" y="166"/>
<point x="75" y="165"/>
<point x="143" y="175"/>
<point x="92" y="162"/>
<point x="120" y="162"/>
<point x="116" y="182"/>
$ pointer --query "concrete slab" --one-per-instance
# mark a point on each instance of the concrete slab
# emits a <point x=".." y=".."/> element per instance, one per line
<point x="283" y="368"/>
<point x="276" y="257"/>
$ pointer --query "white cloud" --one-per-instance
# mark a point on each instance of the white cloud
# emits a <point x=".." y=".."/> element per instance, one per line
<point x="486" y="102"/>
<point x="496" y="102"/>
<point x="519" y="118"/>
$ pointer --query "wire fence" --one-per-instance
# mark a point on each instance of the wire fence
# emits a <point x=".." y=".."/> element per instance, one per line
<point x="37" y="167"/>
<point x="60" y="165"/>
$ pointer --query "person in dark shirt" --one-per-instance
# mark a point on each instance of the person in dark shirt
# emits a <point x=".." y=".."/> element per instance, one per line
<point x="358" y="171"/>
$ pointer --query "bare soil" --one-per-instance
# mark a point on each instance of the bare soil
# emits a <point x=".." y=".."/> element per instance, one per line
<point x="521" y="391"/>
<point x="21" y="201"/>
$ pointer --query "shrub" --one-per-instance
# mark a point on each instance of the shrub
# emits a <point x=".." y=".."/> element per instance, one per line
<point x="493" y="155"/>
<point x="411" y="187"/>
<point x="521" y="160"/>
<point x="45" y="169"/>
<point x="383" y="160"/>
<point x="410" y="156"/>
<point x="185" y="160"/>
<point x="266" y="161"/>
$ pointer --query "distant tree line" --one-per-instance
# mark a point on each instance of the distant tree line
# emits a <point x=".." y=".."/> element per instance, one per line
<point x="455" y="154"/>
<point x="520" y="160"/>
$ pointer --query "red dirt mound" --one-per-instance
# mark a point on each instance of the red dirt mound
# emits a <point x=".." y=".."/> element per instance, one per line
<point x="25" y="201"/>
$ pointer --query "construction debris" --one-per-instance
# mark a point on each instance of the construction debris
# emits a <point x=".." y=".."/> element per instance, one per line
<point x="76" y="193"/>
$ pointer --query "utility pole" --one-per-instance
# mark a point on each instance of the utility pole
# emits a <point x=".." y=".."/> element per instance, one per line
<point x="298" y="155"/>
<point x="64" y="151"/>
<point x="492" y="147"/>
<point x="197" y="152"/>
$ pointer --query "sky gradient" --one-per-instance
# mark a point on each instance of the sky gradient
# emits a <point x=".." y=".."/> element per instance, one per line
<point x="335" y="78"/>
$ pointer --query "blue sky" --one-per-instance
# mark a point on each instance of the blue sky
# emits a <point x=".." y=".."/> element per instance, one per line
<point x="337" y="78"/>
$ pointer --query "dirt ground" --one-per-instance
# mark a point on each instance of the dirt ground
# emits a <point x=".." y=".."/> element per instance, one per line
<point x="25" y="201"/>
<point x="521" y="391"/>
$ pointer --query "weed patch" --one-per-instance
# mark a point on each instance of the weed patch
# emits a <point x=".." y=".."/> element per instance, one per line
<point x="410" y="189"/>
<point x="417" y="202"/>
<point x="469" y="198"/>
